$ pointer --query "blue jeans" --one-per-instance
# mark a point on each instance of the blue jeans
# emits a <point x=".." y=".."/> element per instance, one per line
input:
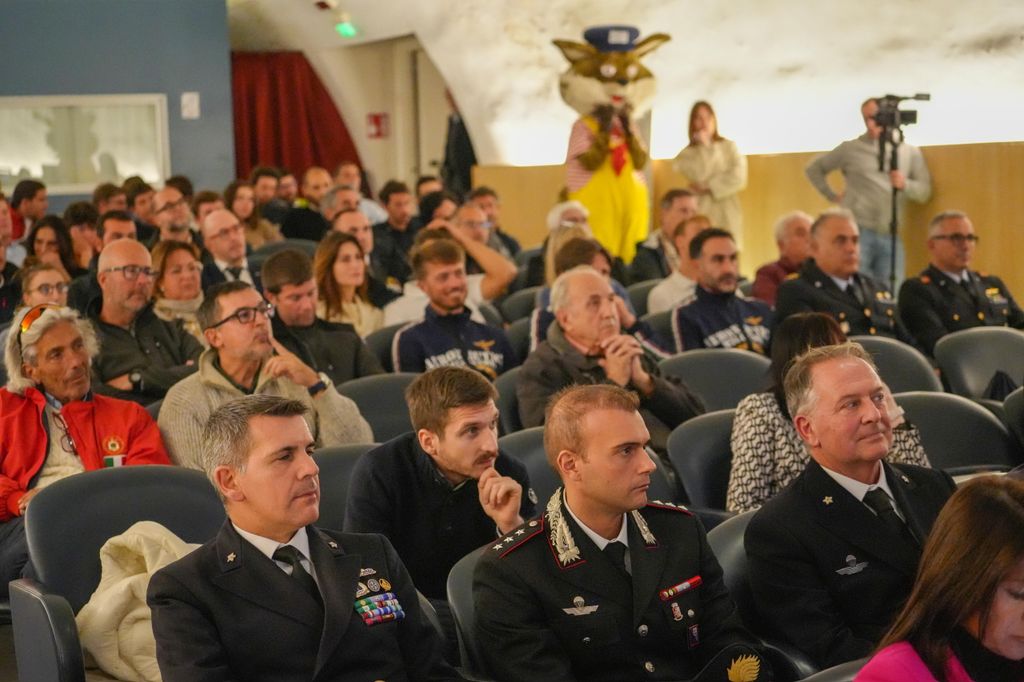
<point x="13" y="551"/>
<point x="876" y="255"/>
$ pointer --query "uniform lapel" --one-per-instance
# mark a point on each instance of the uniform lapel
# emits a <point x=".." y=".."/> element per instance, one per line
<point x="249" y="574"/>
<point x="338" y="576"/>
<point x="647" y="562"/>
<point x="849" y="519"/>
<point x="906" y="493"/>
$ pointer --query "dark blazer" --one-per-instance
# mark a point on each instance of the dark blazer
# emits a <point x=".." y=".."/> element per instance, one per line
<point x="333" y="348"/>
<point x="539" y="618"/>
<point x="649" y="263"/>
<point x="827" y="574"/>
<point x="812" y="291"/>
<point x="227" y="612"/>
<point x="933" y="305"/>
<point x="212" y="275"/>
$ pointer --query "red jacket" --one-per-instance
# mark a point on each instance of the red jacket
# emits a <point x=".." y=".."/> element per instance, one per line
<point x="99" y="427"/>
<point x="17" y="224"/>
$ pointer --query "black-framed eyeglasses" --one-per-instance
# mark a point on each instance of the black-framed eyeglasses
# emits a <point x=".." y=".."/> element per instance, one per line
<point x="959" y="239"/>
<point x="247" y="315"/>
<point x="171" y="205"/>
<point x="47" y="289"/>
<point x="132" y="272"/>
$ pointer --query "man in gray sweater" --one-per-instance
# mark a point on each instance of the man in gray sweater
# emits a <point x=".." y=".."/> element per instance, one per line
<point x="244" y="359"/>
<point x="868" y="191"/>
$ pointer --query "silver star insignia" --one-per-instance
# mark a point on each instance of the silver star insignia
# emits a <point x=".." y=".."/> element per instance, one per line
<point x="827" y="499"/>
<point x="332" y="544"/>
<point x="520" y="531"/>
<point x="231" y="557"/>
<point x="508" y="539"/>
<point x="497" y="547"/>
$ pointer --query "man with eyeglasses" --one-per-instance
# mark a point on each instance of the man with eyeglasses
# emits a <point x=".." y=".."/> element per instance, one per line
<point x="111" y="226"/>
<point x="143" y="356"/>
<point x="53" y="426"/>
<point x="171" y="215"/>
<point x="224" y="238"/>
<point x="948" y="296"/>
<point x="245" y="359"/>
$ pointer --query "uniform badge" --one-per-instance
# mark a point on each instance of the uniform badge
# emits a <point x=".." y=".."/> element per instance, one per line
<point x="677" y="613"/>
<point x="852" y="566"/>
<point x="362" y="590"/>
<point x="579" y="607"/>
<point x="743" y="669"/>
<point x="827" y="499"/>
<point x="531" y="495"/>
<point x="693" y="636"/>
<point x="113" y="445"/>
<point x="925" y="279"/>
<point x="363" y="572"/>
<point x="231" y="557"/>
<point x="373" y="584"/>
<point x="385" y="584"/>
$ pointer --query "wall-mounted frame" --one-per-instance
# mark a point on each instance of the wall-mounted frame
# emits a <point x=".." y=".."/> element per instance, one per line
<point x="74" y="142"/>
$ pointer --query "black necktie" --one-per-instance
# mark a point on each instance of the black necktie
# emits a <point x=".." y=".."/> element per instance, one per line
<point x="852" y="290"/>
<point x="880" y="503"/>
<point x="291" y="556"/>
<point x="616" y="552"/>
<point x="236" y="272"/>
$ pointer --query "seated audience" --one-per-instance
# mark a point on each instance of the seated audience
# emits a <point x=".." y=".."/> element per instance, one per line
<point x="224" y="238"/>
<point x="829" y="282"/>
<point x="111" y="226"/>
<point x="10" y="288"/>
<point x="718" y="317"/>
<point x="142" y="356"/>
<point x="343" y="284"/>
<point x="481" y="288"/>
<point x="183" y="184"/>
<point x="350" y="174"/>
<point x="273" y="597"/>
<point x="80" y="218"/>
<point x="470" y="223"/>
<point x="172" y="215"/>
<point x="264" y="181"/>
<point x="52" y="426"/>
<point x="427" y="184"/>
<point x="444" y="489"/>
<point x="486" y="199"/>
<point x="586" y="345"/>
<point x="50" y="242"/>
<point x="793" y="237"/>
<point x="447" y="336"/>
<point x="600" y="587"/>
<point x="15" y="249"/>
<point x="205" y="203"/>
<point x="287" y="187"/>
<point x="332" y="348"/>
<point x="657" y="257"/>
<point x="767" y="452"/>
<point x="305" y="219"/>
<point x="832" y="557"/>
<point x="679" y="288"/>
<point x="437" y="206"/>
<point x="39" y="284"/>
<point x="139" y="194"/>
<point x="244" y="359"/>
<point x="240" y="199"/>
<point x="948" y="296"/>
<point x="963" y="619"/>
<point x="393" y="238"/>
<point x="109" y="197"/>
<point x="352" y="221"/>
<point x="29" y="203"/>
<point x="177" y="290"/>
<point x="565" y="221"/>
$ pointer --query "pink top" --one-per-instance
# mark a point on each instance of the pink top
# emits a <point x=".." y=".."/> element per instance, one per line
<point x="900" y="663"/>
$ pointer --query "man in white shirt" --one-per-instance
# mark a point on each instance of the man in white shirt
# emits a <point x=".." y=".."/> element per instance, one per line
<point x="833" y="556"/>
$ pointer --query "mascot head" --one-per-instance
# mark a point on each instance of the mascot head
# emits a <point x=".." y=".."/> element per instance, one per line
<point x="606" y="70"/>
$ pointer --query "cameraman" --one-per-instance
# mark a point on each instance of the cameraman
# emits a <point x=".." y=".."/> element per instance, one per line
<point x="868" y="191"/>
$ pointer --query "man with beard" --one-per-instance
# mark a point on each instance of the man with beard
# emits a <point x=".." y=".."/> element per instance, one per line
<point x="142" y="356"/>
<point x="244" y="359"/>
<point x="53" y="426"/>
<point x="172" y="216"/>
<point x="444" y="489"/>
<point x="718" y="318"/>
<point x="447" y="336"/>
<point x="833" y="556"/>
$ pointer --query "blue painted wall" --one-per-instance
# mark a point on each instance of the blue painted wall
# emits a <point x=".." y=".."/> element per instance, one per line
<point x="101" y="47"/>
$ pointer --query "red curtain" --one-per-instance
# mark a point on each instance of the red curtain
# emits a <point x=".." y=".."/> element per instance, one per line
<point x="284" y="115"/>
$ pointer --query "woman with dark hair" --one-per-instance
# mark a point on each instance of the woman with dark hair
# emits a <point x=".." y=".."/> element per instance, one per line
<point x="964" y="621"/>
<point x="437" y="206"/>
<point x="177" y="291"/>
<point x="767" y="453"/>
<point x="49" y="241"/>
<point x="339" y="267"/>
<point x="716" y="170"/>
<point x="240" y="199"/>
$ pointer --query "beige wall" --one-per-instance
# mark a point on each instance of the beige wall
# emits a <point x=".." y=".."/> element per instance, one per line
<point x="985" y="180"/>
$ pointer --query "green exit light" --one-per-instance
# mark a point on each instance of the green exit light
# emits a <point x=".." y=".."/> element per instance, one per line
<point x="346" y="29"/>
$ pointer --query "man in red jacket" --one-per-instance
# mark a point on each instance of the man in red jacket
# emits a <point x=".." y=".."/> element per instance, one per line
<point x="51" y="424"/>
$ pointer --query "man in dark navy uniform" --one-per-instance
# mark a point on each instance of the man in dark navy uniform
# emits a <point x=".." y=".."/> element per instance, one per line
<point x="605" y="586"/>
<point x="948" y="296"/>
<point x="829" y="282"/>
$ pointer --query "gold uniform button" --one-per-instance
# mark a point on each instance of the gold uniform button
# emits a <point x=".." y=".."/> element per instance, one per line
<point x="649" y="667"/>
<point x="842" y="316"/>
<point x="981" y="316"/>
<point x="867" y="312"/>
<point x="872" y="330"/>
<point x="956" y="317"/>
<point x="642" y="630"/>
<point x="586" y="640"/>
<point x="889" y="312"/>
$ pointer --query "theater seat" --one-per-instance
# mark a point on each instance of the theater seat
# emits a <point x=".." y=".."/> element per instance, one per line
<point x="519" y="336"/>
<point x="901" y="367"/>
<point x="520" y="304"/>
<point x="1013" y="409"/>
<point x="460" y="597"/>
<point x="638" y="295"/>
<point x="379" y="343"/>
<point x="702" y="456"/>
<point x="844" y="672"/>
<point x="336" y="464"/>
<point x="722" y="377"/>
<point x="66" y="525"/>
<point x="508" y="403"/>
<point x="969" y="358"/>
<point x="381" y="401"/>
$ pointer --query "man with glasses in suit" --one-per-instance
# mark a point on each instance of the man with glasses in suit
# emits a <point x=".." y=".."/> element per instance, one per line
<point x="245" y="359"/>
<point x="143" y="356"/>
<point x="948" y="296"/>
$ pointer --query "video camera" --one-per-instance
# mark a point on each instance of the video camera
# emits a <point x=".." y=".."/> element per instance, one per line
<point x="889" y="114"/>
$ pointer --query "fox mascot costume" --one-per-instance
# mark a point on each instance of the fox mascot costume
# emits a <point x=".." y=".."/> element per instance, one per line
<point x="608" y="86"/>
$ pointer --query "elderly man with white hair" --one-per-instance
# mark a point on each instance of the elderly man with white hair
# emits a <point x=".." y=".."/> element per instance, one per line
<point x="586" y="345"/>
<point x="52" y="425"/>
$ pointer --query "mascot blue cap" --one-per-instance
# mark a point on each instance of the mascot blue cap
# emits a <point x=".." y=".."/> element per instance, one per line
<point x="612" y="38"/>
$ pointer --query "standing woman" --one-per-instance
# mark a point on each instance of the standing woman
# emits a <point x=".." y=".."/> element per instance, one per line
<point x="240" y="199"/>
<point x="341" y="278"/>
<point x="716" y="170"/>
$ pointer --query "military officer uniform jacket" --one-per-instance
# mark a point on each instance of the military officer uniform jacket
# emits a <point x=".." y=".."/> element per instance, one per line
<point x="227" y="612"/>
<point x="870" y="310"/>
<point x="933" y="304"/>
<point x="551" y="606"/>
<point x="827" y="574"/>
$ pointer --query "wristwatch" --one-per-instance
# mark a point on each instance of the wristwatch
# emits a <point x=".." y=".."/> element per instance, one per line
<point x="319" y="386"/>
<point x="136" y="378"/>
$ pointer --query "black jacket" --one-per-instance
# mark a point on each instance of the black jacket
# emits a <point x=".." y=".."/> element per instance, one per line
<point x="329" y="347"/>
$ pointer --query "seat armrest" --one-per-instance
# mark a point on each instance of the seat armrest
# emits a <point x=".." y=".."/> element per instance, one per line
<point x="788" y="662"/>
<point x="46" y="641"/>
